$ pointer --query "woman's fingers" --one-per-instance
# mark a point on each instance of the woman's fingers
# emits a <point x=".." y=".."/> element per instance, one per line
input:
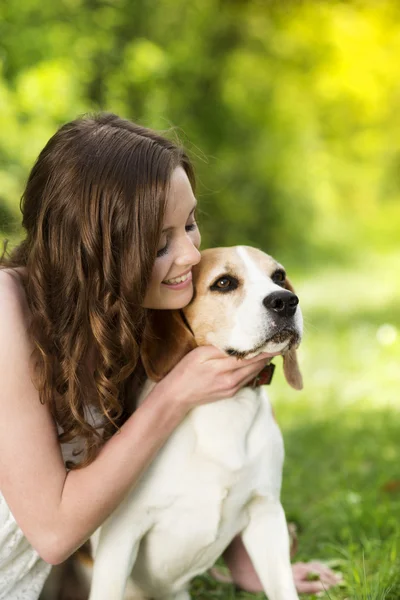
<point x="246" y="369"/>
<point x="252" y="369"/>
<point x="326" y="574"/>
<point x="207" y="374"/>
<point x="309" y="587"/>
<point x="303" y="572"/>
<point x="229" y="362"/>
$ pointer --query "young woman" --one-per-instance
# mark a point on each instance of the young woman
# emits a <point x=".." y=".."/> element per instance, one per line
<point x="109" y="218"/>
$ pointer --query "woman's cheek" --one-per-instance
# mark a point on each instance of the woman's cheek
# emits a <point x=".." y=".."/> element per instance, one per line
<point x="160" y="270"/>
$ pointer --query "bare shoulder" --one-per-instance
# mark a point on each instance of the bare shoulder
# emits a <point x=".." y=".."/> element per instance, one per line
<point x="11" y="285"/>
<point x="14" y="312"/>
<point x="15" y="345"/>
<point x="19" y="398"/>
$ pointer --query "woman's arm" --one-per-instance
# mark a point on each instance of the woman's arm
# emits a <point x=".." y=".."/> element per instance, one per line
<point x="58" y="511"/>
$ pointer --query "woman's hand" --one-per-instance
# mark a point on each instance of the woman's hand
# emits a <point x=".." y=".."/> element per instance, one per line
<point x="207" y="374"/>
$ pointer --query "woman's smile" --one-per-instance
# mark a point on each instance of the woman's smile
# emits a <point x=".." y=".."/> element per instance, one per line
<point x="177" y="283"/>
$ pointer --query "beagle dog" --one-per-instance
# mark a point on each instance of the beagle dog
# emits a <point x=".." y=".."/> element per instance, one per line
<point x="219" y="474"/>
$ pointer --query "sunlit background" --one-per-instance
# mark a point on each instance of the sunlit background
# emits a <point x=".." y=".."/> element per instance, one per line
<point x="291" y="114"/>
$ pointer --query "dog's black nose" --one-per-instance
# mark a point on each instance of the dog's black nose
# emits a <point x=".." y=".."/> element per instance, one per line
<point x="284" y="303"/>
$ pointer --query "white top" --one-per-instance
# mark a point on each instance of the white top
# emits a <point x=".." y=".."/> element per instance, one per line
<point x="22" y="571"/>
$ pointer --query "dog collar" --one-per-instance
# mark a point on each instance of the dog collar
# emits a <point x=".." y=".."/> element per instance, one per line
<point x="264" y="377"/>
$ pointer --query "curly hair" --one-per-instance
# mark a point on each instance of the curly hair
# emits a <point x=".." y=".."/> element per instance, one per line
<point x="92" y="211"/>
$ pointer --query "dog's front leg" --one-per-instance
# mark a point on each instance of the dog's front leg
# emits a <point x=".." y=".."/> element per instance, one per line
<point x="115" y="555"/>
<point x="266" y="540"/>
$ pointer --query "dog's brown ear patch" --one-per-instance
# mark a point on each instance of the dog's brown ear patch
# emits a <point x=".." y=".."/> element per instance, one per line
<point x="290" y="364"/>
<point x="166" y="340"/>
<point x="291" y="370"/>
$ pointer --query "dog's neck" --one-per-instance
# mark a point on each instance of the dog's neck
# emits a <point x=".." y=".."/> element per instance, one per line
<point x="264" y="377"/>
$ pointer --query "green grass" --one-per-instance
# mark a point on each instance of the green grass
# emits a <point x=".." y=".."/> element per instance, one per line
<point x="342" y="432"/>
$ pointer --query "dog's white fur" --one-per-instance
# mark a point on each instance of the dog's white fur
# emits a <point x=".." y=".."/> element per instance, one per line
<point x="219" y="474"/>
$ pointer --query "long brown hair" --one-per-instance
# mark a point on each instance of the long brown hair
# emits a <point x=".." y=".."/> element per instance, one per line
<point x="93" y="212"/>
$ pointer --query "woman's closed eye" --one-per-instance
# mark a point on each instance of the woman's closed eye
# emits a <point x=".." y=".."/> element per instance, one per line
<point x="190" y="227"/>
<point x="162" y="251"/>
<point x="193" y="225"/>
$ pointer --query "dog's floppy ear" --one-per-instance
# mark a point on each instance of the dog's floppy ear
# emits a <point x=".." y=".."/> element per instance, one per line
<point x="290" y="365"/>
<point x="291" y="369"/>
<point x="166" y="339"/>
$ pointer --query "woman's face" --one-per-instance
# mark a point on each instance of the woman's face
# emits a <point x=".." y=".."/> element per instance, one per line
<point x="171" y="285"/>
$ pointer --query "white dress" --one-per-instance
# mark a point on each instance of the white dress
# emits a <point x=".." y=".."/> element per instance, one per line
<point x="22" y="571"/>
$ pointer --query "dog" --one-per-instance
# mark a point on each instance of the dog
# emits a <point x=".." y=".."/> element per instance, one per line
<point x="219" y="474"/>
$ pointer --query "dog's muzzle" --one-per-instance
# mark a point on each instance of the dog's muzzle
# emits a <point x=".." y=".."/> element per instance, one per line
<point x="289" y="335"/>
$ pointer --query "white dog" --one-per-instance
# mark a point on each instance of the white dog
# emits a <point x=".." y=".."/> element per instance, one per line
<point x="219" y="474"/>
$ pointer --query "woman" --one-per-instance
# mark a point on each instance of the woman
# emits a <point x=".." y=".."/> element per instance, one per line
<point x="109" y="216"/>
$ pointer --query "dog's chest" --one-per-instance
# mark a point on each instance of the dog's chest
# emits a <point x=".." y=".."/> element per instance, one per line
<point x="238" y="432"/>
<point x="232" y="446"/>
<point x="196" y="493"/>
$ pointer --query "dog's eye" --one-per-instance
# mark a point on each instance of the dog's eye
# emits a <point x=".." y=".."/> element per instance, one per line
<point x="223" y="283"/>
<point x="226" y="283"/>
<point x="279" y="277"/>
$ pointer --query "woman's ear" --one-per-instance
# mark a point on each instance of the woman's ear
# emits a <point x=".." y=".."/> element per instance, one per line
<point x="166" y="339"/>
<point x="291" y="369"/>
<point x="290" y="365"/>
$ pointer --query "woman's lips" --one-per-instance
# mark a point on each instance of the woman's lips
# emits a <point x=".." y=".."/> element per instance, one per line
<point x="181" y="284"/>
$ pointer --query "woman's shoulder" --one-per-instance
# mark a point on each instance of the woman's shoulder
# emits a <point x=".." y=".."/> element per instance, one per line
<point x="14" y="310"/>
<point x="12" y="291"/>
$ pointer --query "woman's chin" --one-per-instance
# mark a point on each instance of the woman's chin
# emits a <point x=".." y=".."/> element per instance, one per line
<point x="174" y="300"/>
<point x="181" y="300"/>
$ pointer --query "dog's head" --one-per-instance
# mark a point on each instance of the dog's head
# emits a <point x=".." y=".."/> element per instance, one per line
<point x="243" y="304"/>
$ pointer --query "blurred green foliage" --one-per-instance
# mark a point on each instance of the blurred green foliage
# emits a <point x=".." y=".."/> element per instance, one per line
<point x="289" y="109"/>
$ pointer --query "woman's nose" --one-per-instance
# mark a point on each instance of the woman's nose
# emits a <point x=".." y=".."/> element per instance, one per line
<point x="189" y="254"/>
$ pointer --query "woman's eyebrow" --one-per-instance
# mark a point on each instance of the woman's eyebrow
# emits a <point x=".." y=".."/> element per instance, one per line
<point x="172" y="227"/>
